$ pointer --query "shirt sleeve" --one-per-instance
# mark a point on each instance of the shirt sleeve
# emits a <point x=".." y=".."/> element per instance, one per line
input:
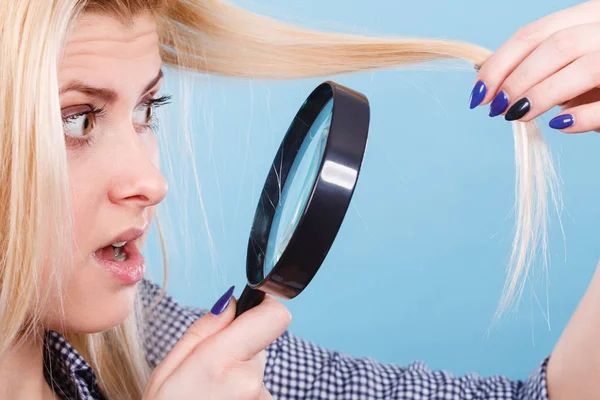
<point x="298" y="369"/>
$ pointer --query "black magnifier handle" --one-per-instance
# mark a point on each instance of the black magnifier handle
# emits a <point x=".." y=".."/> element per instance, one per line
<point x="249" y="298"/>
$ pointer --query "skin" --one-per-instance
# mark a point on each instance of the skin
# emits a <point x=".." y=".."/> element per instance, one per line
<point x="552" y="61"/>
<point x="225" y="357"/>
<point x="109" y="196"/>
<point x="220" y="355"/>
<point x="555" y="61"/>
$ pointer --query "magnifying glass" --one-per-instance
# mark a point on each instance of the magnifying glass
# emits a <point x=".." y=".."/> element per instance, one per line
<point x="306" y="194"/>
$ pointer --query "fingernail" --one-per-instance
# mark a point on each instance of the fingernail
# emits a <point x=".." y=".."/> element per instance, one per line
<point x="562" y="121"/>
<point x="477" y="94"/>
<point x="223" y="302"/>
<point x="499" y="104"/>
<point x="518" y="110"/>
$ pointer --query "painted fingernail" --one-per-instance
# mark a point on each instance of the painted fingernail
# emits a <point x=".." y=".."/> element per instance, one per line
<point x="223" y="302"/>
<point x="518" y="110"/>
<point x="562" y="121"/>
<point x="477" y="94"/>
<point x="499" y="104"/>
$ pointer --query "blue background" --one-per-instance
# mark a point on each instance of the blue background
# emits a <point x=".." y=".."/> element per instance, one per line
<point x="418" y="267"/>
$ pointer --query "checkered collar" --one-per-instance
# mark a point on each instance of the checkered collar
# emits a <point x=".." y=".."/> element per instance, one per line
<point x="66" y="371"/>
<point x="72" y="378"/>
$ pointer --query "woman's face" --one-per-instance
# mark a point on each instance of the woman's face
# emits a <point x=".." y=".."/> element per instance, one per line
<point x="108" y="77"/>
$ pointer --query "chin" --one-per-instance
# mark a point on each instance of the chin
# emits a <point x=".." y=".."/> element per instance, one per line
<point x="96" y="310"/>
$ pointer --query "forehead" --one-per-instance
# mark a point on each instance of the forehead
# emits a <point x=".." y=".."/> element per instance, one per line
<point x="101" y="50"/>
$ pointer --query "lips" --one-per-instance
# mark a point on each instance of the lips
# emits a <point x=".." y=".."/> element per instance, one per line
<point x="132" y="268"/>
<point x="126" y="236"/>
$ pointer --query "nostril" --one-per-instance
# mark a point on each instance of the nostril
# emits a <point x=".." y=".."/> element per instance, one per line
<point x="139" y="198"/>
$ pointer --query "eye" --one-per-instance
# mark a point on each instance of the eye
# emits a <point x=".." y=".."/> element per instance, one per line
<point x="149" y="114"/>
<point x="143" y="114"/>
<point x="80" y="122"/>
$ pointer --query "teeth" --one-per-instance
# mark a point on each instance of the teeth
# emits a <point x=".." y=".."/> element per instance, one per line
<point x="119" y="244"/>
<point x="118" y="255"/>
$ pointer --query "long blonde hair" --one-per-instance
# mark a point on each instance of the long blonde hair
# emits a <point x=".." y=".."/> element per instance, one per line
<point x="207" y="36"/>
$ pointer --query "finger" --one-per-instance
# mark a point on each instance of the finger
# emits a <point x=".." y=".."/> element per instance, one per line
<point x="202" y="329"/>
<point x="499" y="65"/>
<point x="586" y="98"/>
<point x="253" y="331"/>
<point x="261" y="361"/>
<point x="262" y="358"/>
<point x="199" y="331"/>
<point x="579" y="119"/>
<point x="558" y="51"/>
<point x="576" y="79"/>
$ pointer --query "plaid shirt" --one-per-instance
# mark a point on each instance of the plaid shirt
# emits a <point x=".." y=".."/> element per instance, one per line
<point x="295" y="369"/>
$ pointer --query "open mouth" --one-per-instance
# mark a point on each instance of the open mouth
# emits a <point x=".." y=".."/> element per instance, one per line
<point x="115" y="252"/>
<point x="122" y="260"/>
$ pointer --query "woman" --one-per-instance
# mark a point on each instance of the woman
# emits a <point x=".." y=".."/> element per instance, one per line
<point x="79" y="181"/>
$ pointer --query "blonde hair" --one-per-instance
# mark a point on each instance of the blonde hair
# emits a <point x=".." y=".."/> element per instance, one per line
<point x="207" y="36"/>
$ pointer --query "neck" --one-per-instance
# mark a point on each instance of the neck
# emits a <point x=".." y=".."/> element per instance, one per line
<point x="22" y="374"/>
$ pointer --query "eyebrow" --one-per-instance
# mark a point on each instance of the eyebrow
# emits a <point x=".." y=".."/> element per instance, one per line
<point x="107" y="95"/>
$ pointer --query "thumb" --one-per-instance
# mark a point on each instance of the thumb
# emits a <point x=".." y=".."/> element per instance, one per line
<point x="203" y="328"/>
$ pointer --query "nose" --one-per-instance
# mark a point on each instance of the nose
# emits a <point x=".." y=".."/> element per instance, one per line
<point x="137" y="182"/>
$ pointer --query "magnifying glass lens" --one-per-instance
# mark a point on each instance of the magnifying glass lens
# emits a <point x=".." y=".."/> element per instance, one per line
<point x="298" y="187"/>
<point x="298" y="215"/>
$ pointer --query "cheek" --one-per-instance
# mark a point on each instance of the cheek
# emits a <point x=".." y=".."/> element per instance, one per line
<point x="88" y="306"/>
<point x="82" y="191"/>
<point x="87" y="190"/>
<point x="84" y="305"/>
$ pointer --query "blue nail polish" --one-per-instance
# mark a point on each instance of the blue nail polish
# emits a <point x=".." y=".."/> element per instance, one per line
<point x="223" y="302"/>
<point x="499" y="104"/>
<point x="562" y="121"/>
<point x="477" y="94"/>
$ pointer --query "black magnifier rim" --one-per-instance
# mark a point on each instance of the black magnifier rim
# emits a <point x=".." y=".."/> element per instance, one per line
<point x="328" y="202"/>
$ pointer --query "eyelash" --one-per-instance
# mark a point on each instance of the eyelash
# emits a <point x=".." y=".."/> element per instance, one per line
<point x="99" y="112"/>
<point x="155" y="103"/>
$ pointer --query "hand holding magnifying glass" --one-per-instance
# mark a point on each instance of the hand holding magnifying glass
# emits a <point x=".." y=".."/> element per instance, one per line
<point x="306" y="194"/>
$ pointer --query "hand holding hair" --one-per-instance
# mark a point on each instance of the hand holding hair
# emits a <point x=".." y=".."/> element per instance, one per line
<point x="552" y="61"/>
